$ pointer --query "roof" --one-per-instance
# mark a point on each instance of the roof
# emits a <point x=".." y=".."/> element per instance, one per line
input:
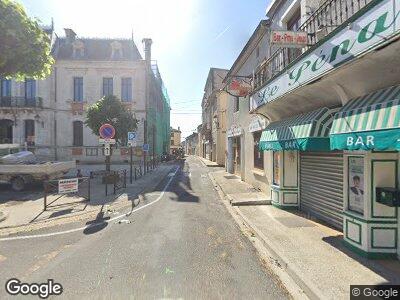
<point x="96" y="49"/>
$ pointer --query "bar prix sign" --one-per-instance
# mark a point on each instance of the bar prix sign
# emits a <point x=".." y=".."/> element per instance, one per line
<point x="377" y="23"/>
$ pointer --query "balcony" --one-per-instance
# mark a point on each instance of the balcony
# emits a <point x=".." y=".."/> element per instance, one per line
<point x="324" y="20"/>
<point x="21" y="102"/>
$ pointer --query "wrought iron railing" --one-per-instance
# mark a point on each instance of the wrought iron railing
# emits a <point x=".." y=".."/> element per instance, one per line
<point x="325" y="19"/>
<point x="22" y="102"/>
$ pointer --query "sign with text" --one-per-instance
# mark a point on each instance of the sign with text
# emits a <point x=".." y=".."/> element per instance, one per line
<point x="66" y="186"/>
<point x="289" y="39"/>
<point x="372" y="28"/>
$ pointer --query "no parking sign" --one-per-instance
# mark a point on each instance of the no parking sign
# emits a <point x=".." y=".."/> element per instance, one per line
<point x="107" y="131"/>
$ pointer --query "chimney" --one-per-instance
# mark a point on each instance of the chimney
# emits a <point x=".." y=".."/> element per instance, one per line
<point x="147" y="49"/>
<point x="70" y="35"/>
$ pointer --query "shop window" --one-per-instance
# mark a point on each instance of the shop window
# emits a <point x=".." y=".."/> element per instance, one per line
<point x="276" y="169"/>
<point x="356" y="184"/>
<point x="258" y="155"/>
<point x="77" y="133"/>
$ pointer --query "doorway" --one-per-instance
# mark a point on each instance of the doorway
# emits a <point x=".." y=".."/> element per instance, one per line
<point x="6" y="131"/>
<point x="236" y="153"/>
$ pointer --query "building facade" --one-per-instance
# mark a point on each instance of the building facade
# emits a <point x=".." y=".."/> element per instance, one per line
<point x="213" y="132"/>
<point x="244" y="128"/>
<point x="191" y="144"/>
<point x="175" y="141"/>
<point x="334" y="117"/>
<point x="49" y="115"/>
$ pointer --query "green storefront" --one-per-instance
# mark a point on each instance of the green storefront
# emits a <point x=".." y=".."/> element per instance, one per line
<point x="341" y="165"/>
<point x="367" y="129"/>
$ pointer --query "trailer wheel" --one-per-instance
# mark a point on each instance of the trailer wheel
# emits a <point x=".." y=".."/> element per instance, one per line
<point x="17" y="184"/>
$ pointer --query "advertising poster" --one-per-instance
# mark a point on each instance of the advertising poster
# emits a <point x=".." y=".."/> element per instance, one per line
<point x="356" y="184"/>
<point x="276" y="168"/>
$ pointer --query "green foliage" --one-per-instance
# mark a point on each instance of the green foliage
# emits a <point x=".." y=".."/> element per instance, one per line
<point x="109" y="109"/>
<point x="24" y="47"/>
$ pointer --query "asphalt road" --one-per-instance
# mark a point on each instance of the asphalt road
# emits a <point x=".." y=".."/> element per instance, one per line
<point x="185" y="245"/>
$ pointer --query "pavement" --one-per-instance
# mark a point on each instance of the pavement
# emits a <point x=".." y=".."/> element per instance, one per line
<point x="24" y="211"/>
<point x="208" y="163"/>
<point x="312" y="254"/>
<point x="179" y="242"/>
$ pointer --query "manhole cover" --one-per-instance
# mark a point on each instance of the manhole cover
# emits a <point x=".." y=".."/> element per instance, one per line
<point x="294" y="222"/>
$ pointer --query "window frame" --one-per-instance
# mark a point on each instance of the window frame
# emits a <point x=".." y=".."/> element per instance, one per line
<point x="32" y="131"/>
<point x="77" y="139"/>
<point x="78" y="89"/>
<point x="126" y="89"/>
<point x="107" y="85"/>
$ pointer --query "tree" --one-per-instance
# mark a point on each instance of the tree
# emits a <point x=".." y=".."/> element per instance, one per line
<point x="109" y="109"/>
<point x="24" y="48"/>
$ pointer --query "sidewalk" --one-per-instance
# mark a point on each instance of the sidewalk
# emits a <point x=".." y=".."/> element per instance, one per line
<point x="311" y="253"/>
<point x="25" y="211"/>
<point x="208" y="163"/>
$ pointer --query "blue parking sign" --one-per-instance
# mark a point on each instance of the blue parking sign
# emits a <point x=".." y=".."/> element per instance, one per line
<point x="131" y="136"/>
<point x="145" y="147"/>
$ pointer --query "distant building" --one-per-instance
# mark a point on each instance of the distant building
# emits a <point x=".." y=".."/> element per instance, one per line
<point x="175" y="140"/>
<point x="191" y="144"/>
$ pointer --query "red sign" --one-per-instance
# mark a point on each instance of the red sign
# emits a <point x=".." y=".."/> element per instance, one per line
<point x="239" y="87"/>
<point x="289" y="39"/>
<point x="107" y="131"/>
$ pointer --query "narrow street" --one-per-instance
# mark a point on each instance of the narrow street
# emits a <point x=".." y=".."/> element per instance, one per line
<point x="185" y="245"/>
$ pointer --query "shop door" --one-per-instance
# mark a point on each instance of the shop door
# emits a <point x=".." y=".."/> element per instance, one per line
<point x="321" y="186"/>
<point x="237" y="155"/>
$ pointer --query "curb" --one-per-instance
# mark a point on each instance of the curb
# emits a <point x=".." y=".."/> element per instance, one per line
<point x="3" y="216"/>
<point x="309" y="289"/>
<point x="114" y="204"/>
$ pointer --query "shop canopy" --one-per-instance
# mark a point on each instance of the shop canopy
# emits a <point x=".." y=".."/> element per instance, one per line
<point x="370" y="122"/>
<point x="305" y="132"/>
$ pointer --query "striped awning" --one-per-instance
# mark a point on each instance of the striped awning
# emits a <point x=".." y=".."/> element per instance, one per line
<point x="309" y="131"/>
<point x="370" y="122"/>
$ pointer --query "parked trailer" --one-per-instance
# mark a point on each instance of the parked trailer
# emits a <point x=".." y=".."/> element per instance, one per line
<point x="19" y="175"/>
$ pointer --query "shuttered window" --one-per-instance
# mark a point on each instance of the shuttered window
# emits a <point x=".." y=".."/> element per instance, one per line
<point x="78" y="89"/>
<point x="126" y="89"/>
<point x="77" y="133"/>
<point x="108" y="86"/>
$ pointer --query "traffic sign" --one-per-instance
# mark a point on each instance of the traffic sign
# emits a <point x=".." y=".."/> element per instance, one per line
<point x="146" y="147"/>
<point x="131" y="136"/>
<point x="107" y="131"/>
<point x="106" y="141"/>
<point x="107" y="150"/>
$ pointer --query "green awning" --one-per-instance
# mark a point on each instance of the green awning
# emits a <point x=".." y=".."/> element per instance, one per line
<point x="370" y="122"/>
<point x="305" y="132"/>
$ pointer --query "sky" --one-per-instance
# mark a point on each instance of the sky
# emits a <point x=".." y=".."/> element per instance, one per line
<point x="189" y="37"/>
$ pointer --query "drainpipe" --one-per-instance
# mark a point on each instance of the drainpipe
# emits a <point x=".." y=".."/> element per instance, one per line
<point x="55" y="115"/>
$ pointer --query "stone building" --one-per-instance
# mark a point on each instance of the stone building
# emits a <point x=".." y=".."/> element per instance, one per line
<point x="213" y="133"/>
<point x="175" y="140"/>
<point x="50" y="114"/>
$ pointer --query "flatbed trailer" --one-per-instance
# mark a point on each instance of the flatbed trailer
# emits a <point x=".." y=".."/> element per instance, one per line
<point x="19" y="175"/>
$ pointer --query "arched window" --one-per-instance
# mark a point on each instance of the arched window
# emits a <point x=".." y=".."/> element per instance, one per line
<point x="77" y="133"/>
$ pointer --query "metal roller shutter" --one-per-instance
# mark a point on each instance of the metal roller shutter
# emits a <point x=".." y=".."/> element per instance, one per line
<point x="321" y="186"/>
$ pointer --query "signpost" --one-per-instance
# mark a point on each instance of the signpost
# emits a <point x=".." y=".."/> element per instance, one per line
<point x="107" y="133"/>
<point x="131" y="143"/>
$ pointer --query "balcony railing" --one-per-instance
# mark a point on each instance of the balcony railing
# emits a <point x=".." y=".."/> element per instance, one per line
<point x="330" y="15"/>
<point x="21" y="102"/>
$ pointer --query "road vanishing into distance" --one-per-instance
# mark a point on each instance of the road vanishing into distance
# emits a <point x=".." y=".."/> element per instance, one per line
<point x="180" y="242"/>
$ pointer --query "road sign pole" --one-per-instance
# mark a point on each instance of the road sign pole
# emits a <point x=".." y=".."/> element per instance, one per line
<point x="131" y="150"/>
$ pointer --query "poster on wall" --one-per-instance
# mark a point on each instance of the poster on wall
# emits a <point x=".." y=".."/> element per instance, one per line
<point x="356" y="184"/>
<point x="276" y="168"/>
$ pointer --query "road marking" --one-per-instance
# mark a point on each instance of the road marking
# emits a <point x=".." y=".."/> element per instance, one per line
<point x="25" y="237"/>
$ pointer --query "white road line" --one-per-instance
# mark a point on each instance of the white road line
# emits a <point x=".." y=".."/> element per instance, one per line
<point x="24" y="237"/>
